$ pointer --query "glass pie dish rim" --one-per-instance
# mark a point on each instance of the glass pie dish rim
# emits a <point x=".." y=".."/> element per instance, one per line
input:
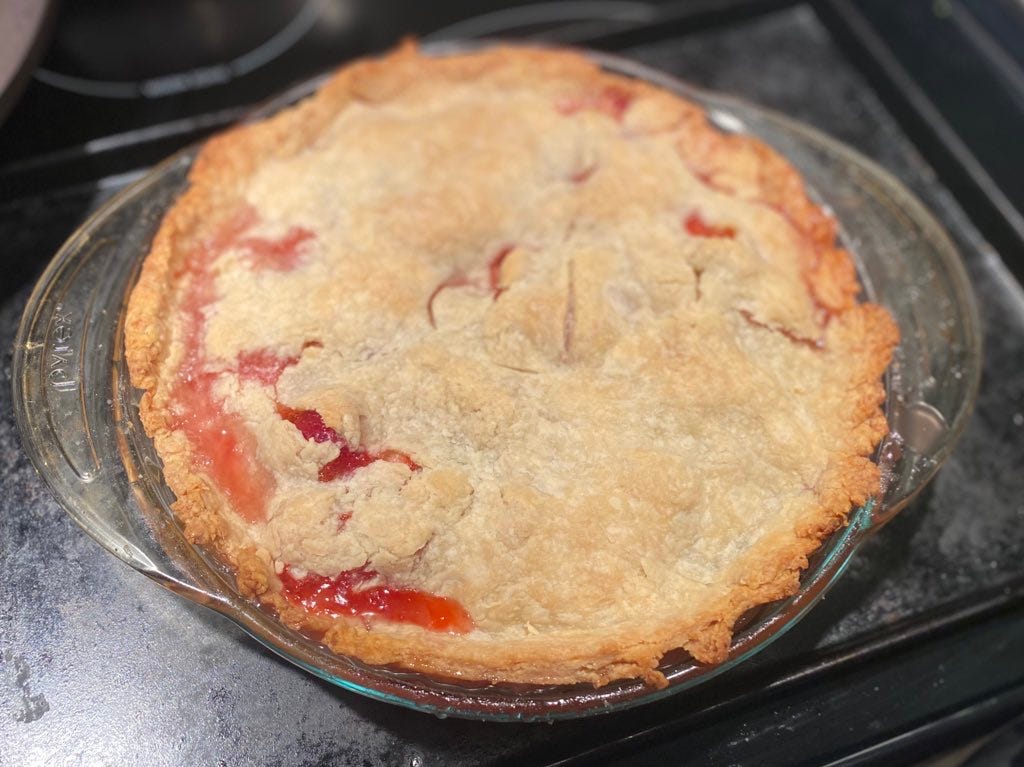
<point x="419" y="691"/>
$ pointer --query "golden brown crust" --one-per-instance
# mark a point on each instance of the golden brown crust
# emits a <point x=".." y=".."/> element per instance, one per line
<point x="736" y="166"/>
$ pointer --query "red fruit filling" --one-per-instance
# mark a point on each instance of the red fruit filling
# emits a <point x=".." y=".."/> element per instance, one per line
<point x="708" y="179"/>
<point x="824" y="313"/>
<point x="462" y="280"/>
<point x="611" y="100"/>
<point x="222" y="446"/>
<point x="266" y="365"/>
<point x="281" y="254"/>
<point x="457" y="280"/>
<point x="346" y="594"/>
<point x="582" y="175"/>
<point x="312" y="427"/>
<point x="816" y="344"/>
<point x="263" y="365"/>
<point x="494" y="270"/>
<point x="698" y="227"/>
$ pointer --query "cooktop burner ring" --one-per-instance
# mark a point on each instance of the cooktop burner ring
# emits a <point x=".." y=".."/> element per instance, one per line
<point x="193" y="78"/>
<point x="519" y="19"/>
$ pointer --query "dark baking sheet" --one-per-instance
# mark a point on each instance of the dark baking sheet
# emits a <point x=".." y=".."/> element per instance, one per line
<point x="924" y="634"/>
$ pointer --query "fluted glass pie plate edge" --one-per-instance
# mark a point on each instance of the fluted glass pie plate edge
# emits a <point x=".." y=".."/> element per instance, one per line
<point x="78" y="414"/>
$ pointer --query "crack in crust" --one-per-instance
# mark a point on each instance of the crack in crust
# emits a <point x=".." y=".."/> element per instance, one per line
<point x="737" y="167"/>
<point x="811" y="343"/>
<point x="569" y="318"/>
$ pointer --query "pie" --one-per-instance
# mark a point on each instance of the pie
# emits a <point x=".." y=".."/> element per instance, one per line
<point x="501" y="367"/>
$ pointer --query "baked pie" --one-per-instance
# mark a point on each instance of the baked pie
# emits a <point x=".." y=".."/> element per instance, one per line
<point x="501" y="367"/>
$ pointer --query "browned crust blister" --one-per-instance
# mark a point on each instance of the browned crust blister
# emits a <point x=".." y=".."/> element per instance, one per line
<point x="737" y="164"/>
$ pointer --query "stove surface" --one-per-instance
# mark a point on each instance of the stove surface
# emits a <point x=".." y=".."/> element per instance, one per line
<point x="923" y="636"/>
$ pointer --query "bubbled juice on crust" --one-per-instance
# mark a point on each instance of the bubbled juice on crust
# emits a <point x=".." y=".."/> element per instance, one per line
<point x="311" y="424"/>
<point x="611" y="100"/>
<point x="494" y="271"/>
<point x="615" y="102"/>
<point x="263" y="365"/>
<point x="459" y="279"/>
<point x="281" y="254"/>
<point x="347" y="594"/>
<point x="222" y="445"/>
<point x="698" y="227"/>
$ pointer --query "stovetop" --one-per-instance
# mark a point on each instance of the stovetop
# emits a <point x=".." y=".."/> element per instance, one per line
<point x="919" y="646"/>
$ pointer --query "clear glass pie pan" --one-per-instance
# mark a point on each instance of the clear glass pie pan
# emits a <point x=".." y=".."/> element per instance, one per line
<point x="78" y="415"/>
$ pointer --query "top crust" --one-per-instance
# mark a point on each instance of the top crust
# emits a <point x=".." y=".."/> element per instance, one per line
<point x="630" y="430"/>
